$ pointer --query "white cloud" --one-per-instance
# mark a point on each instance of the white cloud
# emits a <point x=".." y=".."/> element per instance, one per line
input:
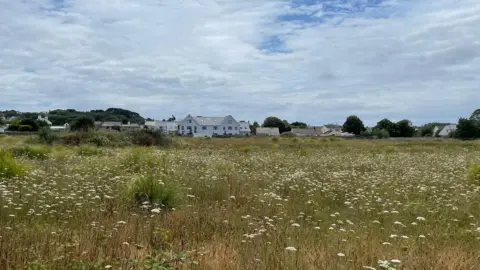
<point x="400" y="59"/>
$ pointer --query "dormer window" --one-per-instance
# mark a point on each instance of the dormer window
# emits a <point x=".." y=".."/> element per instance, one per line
<point x="189" y="121"/>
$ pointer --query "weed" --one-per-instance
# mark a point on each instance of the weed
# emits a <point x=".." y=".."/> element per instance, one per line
<point x="8" y="166"/>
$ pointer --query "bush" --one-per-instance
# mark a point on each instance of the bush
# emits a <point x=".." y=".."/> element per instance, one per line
<point x="288" y="134"/>
<point x="381" y="134"/>
<point x="147" y="188"/>
<point x="147" y="137"/>
<point x="46" y="135"/>
<point x="8" y="167"/>
<point x="473" y="175"/>
<point x="99" y="140"/>
<point x="25" y="128"/>
<point x="32" y="151"/>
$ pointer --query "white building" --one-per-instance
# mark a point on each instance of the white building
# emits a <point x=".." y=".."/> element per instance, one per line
<point x="65" y="127"/>
<point x="44" y="119"/>
<point x="2" y="129"/>
<point x="267" y="131"/>
<point x="244" y="128"/>
<point x="445" y="132"/>
<point x="168" y="127"/>
<point x="201" y="126"/>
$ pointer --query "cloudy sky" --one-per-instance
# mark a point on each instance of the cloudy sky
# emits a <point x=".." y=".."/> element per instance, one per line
<point x="316" y="61"/>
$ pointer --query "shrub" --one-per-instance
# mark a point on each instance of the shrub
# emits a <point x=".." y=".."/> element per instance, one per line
<point x="99" y="140"/>
<point x="288" y="134"/>
<point x="148" y="188"/>
<point x="381" y="134"/>
<point x="46" y="135"/>
<point x="8" y="166"/>
<point x="32" y="151"/>
<point x="473" y="175"/>
<point x="147" y="137"/>
<point x="25" y="128"/>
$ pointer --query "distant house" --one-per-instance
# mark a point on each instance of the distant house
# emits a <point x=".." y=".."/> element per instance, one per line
<point x="2" y="129"/>
<point x="446" y="130"/>
<point x="130" y="126"/>
<point x="308" y="132"/>
<point x="267" y="131"/>
<point x="65" y="127"/>
<point x="202" y="126"/>
<point x="111" y="125"/>
<point x="44" y="119"/>
<point x="167" y="127"/>
<point x="244" y="128"/>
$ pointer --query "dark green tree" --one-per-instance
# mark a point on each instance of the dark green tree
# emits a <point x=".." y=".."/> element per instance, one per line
<point x="29" y="122"/>
<point x="253" y="127"/>
<point x="466" y="129"/>
<point x="405" y="128"/>
<point x="387" y="125"/>
<point x="83" y="123"/>
<point x="353" y="124"/>
<point x="298" y="124"/>
<point x="475" y="116"/>
<point x="273" y="121"/>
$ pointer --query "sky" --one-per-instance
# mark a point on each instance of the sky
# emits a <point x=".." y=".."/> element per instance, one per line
<point x="316" y="61"/>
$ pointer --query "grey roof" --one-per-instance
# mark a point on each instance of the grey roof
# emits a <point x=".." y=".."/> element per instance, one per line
<point x="208" y="121"/>
<point x="111" y="124"/>
<point x="306" y="131"/>
<point x="267" y="131"/>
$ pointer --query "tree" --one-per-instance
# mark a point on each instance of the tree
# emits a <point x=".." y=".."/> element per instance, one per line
<point x="405" y="128"/>
<point x="466" y="129"/>
<point x="29" y="122"/>
<point x="253" y="127"/>
<point x="353" y="124"/>
<point x="475" y="116"/>
<point x="389" y="126"/>
<point x="171" y="119"/>
<point x="273" y="121"/>
<point x="297" y="124"/>
<point x="83" y="123"/>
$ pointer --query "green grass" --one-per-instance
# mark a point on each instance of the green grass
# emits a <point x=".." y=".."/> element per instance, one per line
<point x="238" y="203"/>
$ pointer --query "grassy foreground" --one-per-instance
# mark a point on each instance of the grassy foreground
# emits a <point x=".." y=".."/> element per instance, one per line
<point x="253" y="203"/>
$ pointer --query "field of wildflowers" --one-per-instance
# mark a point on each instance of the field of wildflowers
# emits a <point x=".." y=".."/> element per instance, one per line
<point x="252" y="203"/>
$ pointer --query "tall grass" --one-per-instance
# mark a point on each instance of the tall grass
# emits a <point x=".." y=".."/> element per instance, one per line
<point x="251" y="203"/>
<point x="8" y="166"/>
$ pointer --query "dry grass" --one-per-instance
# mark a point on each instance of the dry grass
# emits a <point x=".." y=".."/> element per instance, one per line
<point x="242" y="203"/>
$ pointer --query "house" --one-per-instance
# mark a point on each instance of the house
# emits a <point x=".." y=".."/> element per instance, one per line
<point x="130" y="126"/>
<point x="244" y="128"/>
<point x="267" y="131"/>
<point x="167" y="127"/>
<point x="202" y="126"/>
<point x="44" y="119"/>
<point x="308" y="132"/>
<point x="65" y="127"/>
<point x="2" y="129"/>
<point x="111" y="125"/>
<point x="446" y="130"/>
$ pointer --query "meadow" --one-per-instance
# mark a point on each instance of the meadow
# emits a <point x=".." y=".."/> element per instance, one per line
<point x="251" y="203"/>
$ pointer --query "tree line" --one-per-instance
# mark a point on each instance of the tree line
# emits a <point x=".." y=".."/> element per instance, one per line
<point x="467" y="128"/>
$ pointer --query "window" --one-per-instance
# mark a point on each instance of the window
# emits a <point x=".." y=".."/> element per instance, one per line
<point x="204" y="127"/>
<point x="223" y="128"/>
<point x="215" y="128"/>
<point x="189" y="121"/>
<point x="229" y="128"/>
<point x="189" y="127"/>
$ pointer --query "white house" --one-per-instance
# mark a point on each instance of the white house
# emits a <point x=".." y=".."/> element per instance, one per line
<point x="244" y="128"/>
<point x="267" y="131"/>
<point x="167" y="127"/>
<point x="201" y="126"/>
<point x="66" y="126"/>
<point x="447" y="130"/>
<point x="44" y="119"/>
<point x="2" y="129"/>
